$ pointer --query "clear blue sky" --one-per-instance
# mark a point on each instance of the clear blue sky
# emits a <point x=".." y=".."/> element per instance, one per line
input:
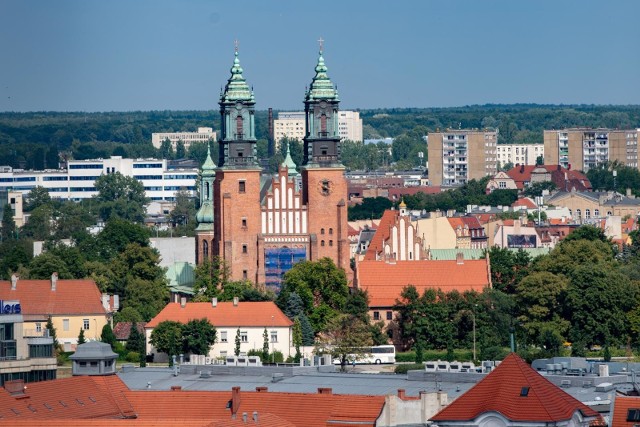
<point x="122" y="55"/>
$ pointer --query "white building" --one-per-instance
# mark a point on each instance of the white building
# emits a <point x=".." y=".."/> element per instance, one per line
<point x="519" y="154"/>
<point x="250" y="319"/>
<point x="202" y="135"/>
<point x="292" y="125"/>
<point x="77" y="181"/>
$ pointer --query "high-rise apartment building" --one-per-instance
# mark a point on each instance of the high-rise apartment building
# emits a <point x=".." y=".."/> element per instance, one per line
<point x="292" y="125"/>
<point x="202" y="135"/>
<point x="519" y="154"/>
<point x="459" y="155"/>
<point x="585" y="148"/>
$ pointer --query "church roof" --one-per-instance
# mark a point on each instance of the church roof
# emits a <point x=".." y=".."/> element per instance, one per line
<point x="289" y="163"/>
<point x="237" y="88"/>
<point x="519" y="393"/>
<point x="208" y="167"/>
<point x="321" y="86"/>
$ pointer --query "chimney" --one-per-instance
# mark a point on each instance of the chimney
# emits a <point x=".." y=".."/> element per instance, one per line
<point x="14" y="281"/>
<point x="325" y="390"/>
<point x="116" y="303"/>
<point x="459" y="258"/>
<point x="176" y="388"/>
<point x="235" y="401"/>
<point x="262" y="389"/>
<point x="54" y="280"/>
<point x="401" y="393"/>
<point x="255" y="417"/>
<point x="183" y="302"/>
<point x="105" y="302"/>
<point x="244" y="417"/>
<point x="235" y="301"/>
<point x="214" y="302"/>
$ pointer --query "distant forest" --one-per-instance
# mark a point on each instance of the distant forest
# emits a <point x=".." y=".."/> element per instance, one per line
<point x="39" y="140"/>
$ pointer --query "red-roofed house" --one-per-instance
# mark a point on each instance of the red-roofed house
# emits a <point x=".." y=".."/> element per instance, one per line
<point x="71" y="304"/>
<point x="384" y="281"/>
<point x="251" y="318"/>
<point x="564" y="179"/>
<point x="514" y="394"/>
<point x="122" y="330"/>
<point x="626" y="411"/>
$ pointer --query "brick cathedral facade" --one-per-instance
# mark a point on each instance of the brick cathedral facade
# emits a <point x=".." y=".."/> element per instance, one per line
<point x="261" y="225"/>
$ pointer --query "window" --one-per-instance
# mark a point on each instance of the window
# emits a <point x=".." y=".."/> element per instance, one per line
<point x="376" y="315"/>
<point x="244" y="249"/>
<point x="321" y="242"/>
<point x="633" y="415"/>
<point x="502" y="184"/>
<point x="223" y="353"/>
<point x="241" y="186"/>
<point x="322" y="231"/>
<point x="65" y="324"/>
<point x="205" y="249"/>
<point x="38" y="327"/>
<point x="243" y="336"/>
<point x="330" y="242"/>
<point x="587" y="213"/>
<point x="524" y="392"/>
<point x="274" y="336"/>
<point x="223" y="336"/>
<point x="596" y="213"/>
<point x="244" y="222"/>
<point x="578" y="213"/>
<point x="245" y="274"/>
<point x="331" y="231"/>
<point x="85" y="324"/>
<point x="389" y="315"/>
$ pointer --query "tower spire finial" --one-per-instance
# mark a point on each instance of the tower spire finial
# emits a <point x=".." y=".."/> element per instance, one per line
<point x="236" y="44"/>
<point x="321" y="42"/>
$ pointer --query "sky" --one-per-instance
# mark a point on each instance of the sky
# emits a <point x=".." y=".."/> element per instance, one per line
<point x="126" y="55"/>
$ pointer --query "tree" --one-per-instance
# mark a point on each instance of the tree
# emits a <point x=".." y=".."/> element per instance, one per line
<point x="81" y="339"/>
<point x="45" y="264"/>
<point x="508" y="268"/>
<point x="181" y="153"/>
<point x="128" y="314"/>
<point x="370" y="208"/>
<point x="120" y="196"/>
<point x="198" y="335"/>
<point x="167" y="338"/>
<point x="308" y="336"/>
<point x="8" y="230"/>
<point x="39" y="226"/>
<point x="297" y="339"/>
<point x="38" y="196"/>
<point x="166" y="149"/>
<point x="294" y="306"/>
<point x="107" y="336"/>
<point x="53" y="334"/>
<point x="236" y="350"/>
<point x="344" y="336"/>
<point x="265" y="345"/>
<point x="136" y="343"/>
<point x="114" y="238"/>
<point x="587" y="232"/>
<point x="184" y="212"/>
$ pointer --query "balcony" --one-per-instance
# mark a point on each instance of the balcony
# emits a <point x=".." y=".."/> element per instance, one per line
<point x="35" y="333"/>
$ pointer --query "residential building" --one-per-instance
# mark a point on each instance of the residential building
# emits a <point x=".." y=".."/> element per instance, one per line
<point x="14" y="199"/>
<point x="77" y="181"/>
<point x="563" y="178"/>
<point x="72" y="305"/>
<point x="516" y="234"/>
<point x="251" y="319"/>
<point x="122" y="330"/>
<point x="292" y="125"/>
<point x="25" y="354"/>
<point x="514" y="394"/>
<point x="459" y="155"/>
<point x="585" y="148"/>
<point x="204" y="134"/>
<point x="586" y="205"/>
<point x="261" y="225"/>
<point x="519" y="154"/>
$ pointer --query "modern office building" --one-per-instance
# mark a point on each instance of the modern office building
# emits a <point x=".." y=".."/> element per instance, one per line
<point x="459" y="155"/>
<point x="77" y="181"/>
<point x="292" y="125"/>
<point x="202" y="135"/>
<point x="519" y="154"/>
<point x="585" y="148"/>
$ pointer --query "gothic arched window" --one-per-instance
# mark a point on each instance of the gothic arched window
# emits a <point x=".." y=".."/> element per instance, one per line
<point x="205" y="249"/>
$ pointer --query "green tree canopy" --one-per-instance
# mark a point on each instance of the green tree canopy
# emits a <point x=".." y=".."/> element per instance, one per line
<point x="344" y="336"/>
<point x="198" y="335"/>
<point x="167" y="338"/>
<point x="120" y="196"/>
<point x="107" y="336"/>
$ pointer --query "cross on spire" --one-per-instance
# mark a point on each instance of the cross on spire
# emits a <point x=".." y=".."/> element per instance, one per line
<point x="236" y="43"/>
<point x="321" y="41"/>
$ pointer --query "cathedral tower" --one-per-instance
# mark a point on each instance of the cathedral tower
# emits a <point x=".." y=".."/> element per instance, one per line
<point x="237" y="183"/>
<point x="204" y="217"/>
<point x="323" y="183"/>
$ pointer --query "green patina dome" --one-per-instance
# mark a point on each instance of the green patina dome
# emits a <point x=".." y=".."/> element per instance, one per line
<point x="208" y="167"/>
<point x="321" y="86"/>
<point x="289" y="163"/>
<point x="237" y="88"/>
<point x="205" y="214"/>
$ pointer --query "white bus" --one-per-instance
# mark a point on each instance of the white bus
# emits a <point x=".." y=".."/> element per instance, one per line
<point x="376" y="354"/>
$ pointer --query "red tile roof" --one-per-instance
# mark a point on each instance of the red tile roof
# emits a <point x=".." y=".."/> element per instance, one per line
<point x="526" y="202"/>
<point x="471" y="221"/>
<point x="621" y="406"/>
<point x="70" y="297"/>
<point x="382" y="233"/>
<point x="80" y="397"/>
<point x="501" y="390"/>
<point x="397" y="193"/>
<point x="122" y="330"/>
<point x="384" y="281"/>
<point x="456" y="222"/>
<point x="299" y="409"/>
<point x="246" y="313"/>
<point x="574" y="179"/>
<point x="264" y="420"/>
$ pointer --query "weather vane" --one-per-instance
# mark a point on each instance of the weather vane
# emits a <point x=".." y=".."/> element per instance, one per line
<point x="321" y="44"/>
<point x="236" y="43"/>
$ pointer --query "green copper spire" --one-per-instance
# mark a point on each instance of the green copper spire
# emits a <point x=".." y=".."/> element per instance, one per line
<point x="321" y="86"/>
<point x="208" y="167"/>
<point x="289" y="163"/>
<point x="237" y="88"/>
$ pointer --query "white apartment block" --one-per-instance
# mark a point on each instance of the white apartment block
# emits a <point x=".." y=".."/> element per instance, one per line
<point x="519" y="154"/>
<point x="292" y="125"/>
<point x="77" y="181"/>
<point x="202" y="135"/>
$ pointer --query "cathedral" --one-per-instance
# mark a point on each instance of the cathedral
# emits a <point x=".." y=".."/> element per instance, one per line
<point x="259" y="224"/>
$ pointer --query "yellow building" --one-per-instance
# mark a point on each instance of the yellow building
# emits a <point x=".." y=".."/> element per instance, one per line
<point x="72" y="305"/>
<point x="436" y="232"/>
<point x="586" y="205"/>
